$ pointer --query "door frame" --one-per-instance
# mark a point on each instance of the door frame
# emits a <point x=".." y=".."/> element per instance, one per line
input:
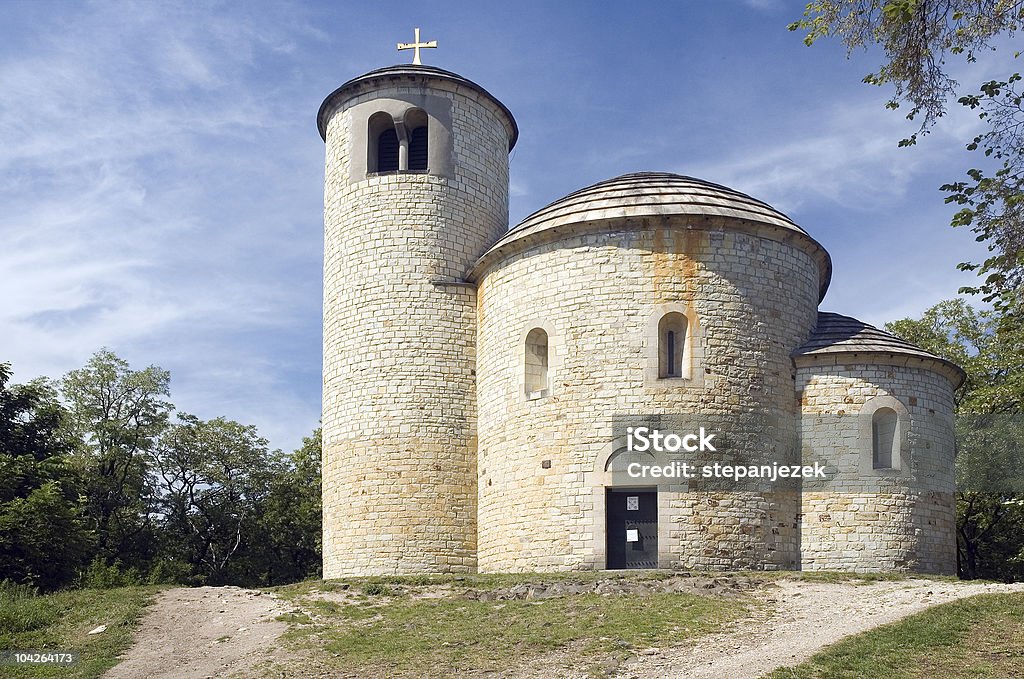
<point x="598" y="481"/>
<point x="626" y="490"/>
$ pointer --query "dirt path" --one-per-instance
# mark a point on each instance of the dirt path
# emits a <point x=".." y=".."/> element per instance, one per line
<point x="802" y="617"/>
<point x="226" y="631"/>
<point x="203" y="632"/>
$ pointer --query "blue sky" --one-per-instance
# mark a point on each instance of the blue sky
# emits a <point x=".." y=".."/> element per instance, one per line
<point x="161" y="172"/>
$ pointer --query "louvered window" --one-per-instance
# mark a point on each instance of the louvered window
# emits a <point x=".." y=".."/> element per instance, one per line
<point x="418" y="149"/>
<point x="387" y="151"/>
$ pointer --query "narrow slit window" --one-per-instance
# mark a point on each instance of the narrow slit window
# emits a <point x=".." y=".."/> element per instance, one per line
<point x="536" y="363"/>
<point x="671" y="345"/>
<point x="884" y="437"/>
<point x="670" y="351"/>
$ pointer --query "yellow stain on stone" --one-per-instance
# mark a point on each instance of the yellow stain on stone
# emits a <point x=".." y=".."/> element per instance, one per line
<point x="675" y="265"/>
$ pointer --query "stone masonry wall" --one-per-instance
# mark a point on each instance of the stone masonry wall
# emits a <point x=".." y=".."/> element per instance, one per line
<point x="866" y="519"/>
<point x="399" y="405"/>
<point x="750" y="299"/>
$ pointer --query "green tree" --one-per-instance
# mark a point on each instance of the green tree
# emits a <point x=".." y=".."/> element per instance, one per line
<point x="990" y="458"/>
<point x="291" y="517"/>
<point x="44" y="537"/>
<point x="117" y="414"/>
<point x="213" y="477"/>
<point x="984" y="343"/>
<point x="917" y="37"/>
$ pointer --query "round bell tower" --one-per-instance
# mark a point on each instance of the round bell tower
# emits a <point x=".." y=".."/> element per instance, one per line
<point x="416" y="189"/>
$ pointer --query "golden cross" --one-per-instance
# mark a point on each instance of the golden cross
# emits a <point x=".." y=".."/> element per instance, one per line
<point x="416" y="45"/>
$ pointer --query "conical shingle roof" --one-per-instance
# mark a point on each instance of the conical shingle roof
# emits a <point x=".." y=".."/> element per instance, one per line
<point x="630" y="198"/>
<point x="836" y="334"/>
<point x="653" y="194"/>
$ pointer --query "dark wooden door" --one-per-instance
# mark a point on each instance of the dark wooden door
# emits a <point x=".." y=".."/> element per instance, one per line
<point x="632" y="528"/>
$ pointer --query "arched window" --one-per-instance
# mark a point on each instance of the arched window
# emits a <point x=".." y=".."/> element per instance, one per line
<point x="387" y="151"/>
<point x="884" y="438"/>
<point x="671" y="345"/>
<point x="417" y="125"/>
<point x="536" y="363"/>
<point x="382" y="143"/>
<point x="418" y="149"/>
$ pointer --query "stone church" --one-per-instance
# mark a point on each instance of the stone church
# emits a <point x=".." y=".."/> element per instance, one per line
<point x="474" y="374"/>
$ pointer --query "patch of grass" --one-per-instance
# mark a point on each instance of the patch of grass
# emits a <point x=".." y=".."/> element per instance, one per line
<point x="295" y="618"/>
<point x="861" y="578"/>
<point x="22" y="611"/>
<point x="407" y="635"/>
<point x="325" y="607"/>
<point x="982" y="636"/>
<point x="378" y="589"/>
<point x="355" y="612"/>
<point x="61" y="622"/>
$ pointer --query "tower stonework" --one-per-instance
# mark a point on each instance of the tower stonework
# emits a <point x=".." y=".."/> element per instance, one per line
<point x="416" y="189"/>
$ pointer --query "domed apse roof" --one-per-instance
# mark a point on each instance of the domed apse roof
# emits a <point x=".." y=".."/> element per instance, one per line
<point x="837" y="336"/>
<point x="411" y="71"/>
<point x="656" y="194"/>
<point x="653" y="194"/>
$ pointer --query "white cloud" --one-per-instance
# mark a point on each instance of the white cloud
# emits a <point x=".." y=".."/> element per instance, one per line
<point x="137" y="211"/>
<point x="849" y="154"/>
